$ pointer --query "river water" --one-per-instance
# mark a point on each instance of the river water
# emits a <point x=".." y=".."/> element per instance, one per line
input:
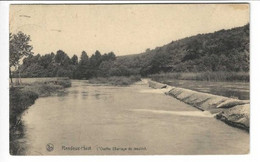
<point x="98" y="119"/>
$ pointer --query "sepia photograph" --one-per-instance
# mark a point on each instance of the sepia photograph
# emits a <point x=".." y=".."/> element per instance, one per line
<point x="129" y="79"/>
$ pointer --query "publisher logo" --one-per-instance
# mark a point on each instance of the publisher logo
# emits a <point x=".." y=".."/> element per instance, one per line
<point x="49" y="147"/>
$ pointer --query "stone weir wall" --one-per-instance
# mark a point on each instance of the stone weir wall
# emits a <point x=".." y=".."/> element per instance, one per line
<point x="231" y="111"/>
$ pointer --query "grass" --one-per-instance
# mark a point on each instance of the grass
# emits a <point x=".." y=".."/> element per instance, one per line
<point x="115" y="80"/>
<point x="20" y="100"/>
<point x="203" y="76"/>
<point x="21" y="97"/>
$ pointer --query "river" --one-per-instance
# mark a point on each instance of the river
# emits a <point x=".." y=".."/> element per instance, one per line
<point x="98" y="119"/>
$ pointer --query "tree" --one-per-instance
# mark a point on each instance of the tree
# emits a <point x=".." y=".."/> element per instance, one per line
<point x="46" y="60"/>
<point x="159" y="62"/>
<point x="82" y="69"/>
<point x="95" y="60"/>
<point x="19" y="48"/>
<point x="111" y="56"/>
<point x="83" y="58"/>
<point x="108" y="57"/>
<point x="74" y="60"/>
<point x="105" y="67"/>
<point x="147" y="50"/>
<point x="62" y="58"/>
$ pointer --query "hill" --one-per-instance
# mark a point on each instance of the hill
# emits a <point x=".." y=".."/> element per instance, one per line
<point x="224" y="50"/>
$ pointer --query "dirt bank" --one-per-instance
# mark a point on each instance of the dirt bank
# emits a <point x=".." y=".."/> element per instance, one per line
<point x="232" y="111"/>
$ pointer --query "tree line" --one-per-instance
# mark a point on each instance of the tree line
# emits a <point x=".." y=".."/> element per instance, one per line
<point x="224" y="50"/>
<point x="59" y="64"/>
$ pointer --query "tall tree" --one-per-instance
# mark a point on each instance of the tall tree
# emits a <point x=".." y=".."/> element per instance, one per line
<point x="74" y="60"/>
<point x="19" y="48"/>
<point x="82" y="69"/>
<point x="83" y="58"/>
<point x="95" y="59"/>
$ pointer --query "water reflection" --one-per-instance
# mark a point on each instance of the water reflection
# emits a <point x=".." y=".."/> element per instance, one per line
<point x="204" y="114"/>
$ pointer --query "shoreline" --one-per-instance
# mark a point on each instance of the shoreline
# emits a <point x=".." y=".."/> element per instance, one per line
<point x="21" y="98"/>
<point x="233" y="112"/>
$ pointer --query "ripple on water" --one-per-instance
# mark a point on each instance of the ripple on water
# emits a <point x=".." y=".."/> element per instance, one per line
<point x="205" y="114"/>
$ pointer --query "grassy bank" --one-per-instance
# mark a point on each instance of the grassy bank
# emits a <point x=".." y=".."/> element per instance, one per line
<point x="203" y="76"/>
<point x="116" y="80"/>
<point x="21" y="97"/>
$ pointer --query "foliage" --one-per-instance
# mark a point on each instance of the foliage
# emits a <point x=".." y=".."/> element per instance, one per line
<point x="18" y="47"/>
<point x="60" y="65"/>
<point x="74" y="60"/>
<point x="224" y="50"/>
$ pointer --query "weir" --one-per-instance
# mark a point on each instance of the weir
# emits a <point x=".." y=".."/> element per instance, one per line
<point x="231" y="111"/>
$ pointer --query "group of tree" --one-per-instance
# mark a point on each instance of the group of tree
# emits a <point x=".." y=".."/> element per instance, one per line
<point x="224" y="50"/>
<point x="61" y="65"/>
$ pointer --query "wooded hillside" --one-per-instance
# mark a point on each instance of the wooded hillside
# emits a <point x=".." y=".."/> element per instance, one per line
<point x="224" y="50"/>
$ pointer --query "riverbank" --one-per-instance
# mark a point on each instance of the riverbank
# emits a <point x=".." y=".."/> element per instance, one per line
<point x="203" y="76"/>
<point x="232" y="111"/>
<point x="115" y="80"/>
<point x="24" y="95"/>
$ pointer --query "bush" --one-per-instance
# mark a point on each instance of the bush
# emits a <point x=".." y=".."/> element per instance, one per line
<point x="42" y="89"/>
<point x="20" y="100"/>
<point x="64" y="83"/>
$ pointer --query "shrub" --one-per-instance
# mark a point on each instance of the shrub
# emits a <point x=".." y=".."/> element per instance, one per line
<point x="64" y="83"/>
<point x="19" y="101"/>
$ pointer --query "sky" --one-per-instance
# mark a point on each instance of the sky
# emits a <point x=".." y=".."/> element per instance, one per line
<point x="123" y="29"/>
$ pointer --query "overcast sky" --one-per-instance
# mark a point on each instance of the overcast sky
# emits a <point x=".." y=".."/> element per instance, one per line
<point x="123" y="29"/>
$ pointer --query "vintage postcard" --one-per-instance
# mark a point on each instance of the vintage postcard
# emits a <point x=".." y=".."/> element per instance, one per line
<point x="129" y="79"/>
